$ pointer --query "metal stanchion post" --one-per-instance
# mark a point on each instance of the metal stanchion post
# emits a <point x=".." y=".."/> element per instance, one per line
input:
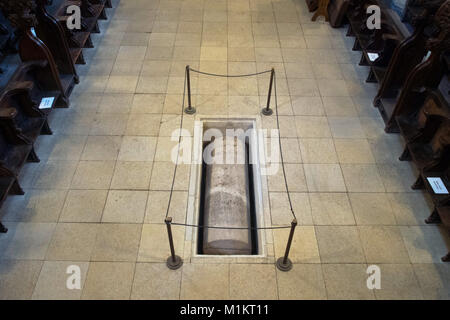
<point x="173" y="262"/>
<point x="284" y="263"/>
<point x="267" y="111"/>
<point x="189" y="109"/>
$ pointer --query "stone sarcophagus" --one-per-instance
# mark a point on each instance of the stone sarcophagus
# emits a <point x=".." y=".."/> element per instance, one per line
<point x="227" y="199"/>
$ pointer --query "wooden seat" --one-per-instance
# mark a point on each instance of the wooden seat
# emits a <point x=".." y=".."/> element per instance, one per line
<point x="441" y="214"/>
<point x="312" y="5"/>
<point x="337" y="10"/>
<point x="7" y="39"/>
<point x="377" y="46"/>
<point x="408" y="75"/>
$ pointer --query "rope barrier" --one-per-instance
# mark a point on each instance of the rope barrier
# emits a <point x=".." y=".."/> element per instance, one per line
<point x="178" y="149"/>
<point x="173" y="261"/>
<point x="230" y="76"/>
<point x="231" y="228"/>
<point x="281" y="149"/>
<point x="279" y="140"/>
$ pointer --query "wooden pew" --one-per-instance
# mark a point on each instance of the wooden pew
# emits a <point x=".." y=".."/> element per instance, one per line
<point x="76" y="39"/>
<point x="407" y="74"/>
<point x="377" y="46"/>
<point x="426" y="131"/>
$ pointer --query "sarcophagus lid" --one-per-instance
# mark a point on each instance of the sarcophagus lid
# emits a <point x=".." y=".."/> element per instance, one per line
<point x="227" y="204"/>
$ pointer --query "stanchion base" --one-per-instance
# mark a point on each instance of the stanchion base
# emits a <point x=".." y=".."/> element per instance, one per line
<point x="174" y="265"/>
<point x="190" y="110"/>
<point x="282" y="266"/>
<point x="267" y="112"/>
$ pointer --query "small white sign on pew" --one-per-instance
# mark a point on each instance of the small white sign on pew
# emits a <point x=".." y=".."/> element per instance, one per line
<point x="46" y="103"/>
<point x="373" y="56"/>
<point x="437" y="185"/>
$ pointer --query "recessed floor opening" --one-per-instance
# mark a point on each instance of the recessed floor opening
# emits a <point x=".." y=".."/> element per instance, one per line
<point x="230" y="190"/>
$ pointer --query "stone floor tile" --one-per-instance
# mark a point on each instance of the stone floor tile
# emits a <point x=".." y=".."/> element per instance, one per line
<point x="35" y="206"/>
<point x="117" y="242"/>
<point x="243" y="104"/>
<point x="159" y="39"/>
<point x="121" y="84"/>
<point x="362" y="178"/>
<point x="101" y="148"/>
<point x="304" y="245"/>
<point x="152" y="85"/>
<point x="27" y="241"/>
<point x="307" y="106"/>
<point x="410" y="208"/>
<point x="137" y="148"/>
<point x="83" y="206"/>
<point x="339" y="244"/>
<point x="166" y="150"/>
<point x="295" y="177"/>
<point x="143" y="125"/>
<point x="426" y="244"/>
<point x="60" y="147"/>
<point x="109" y="124"/>
<point x="303" y="87"/>
<point x="154" y="281"/>
<point x="303" y="282"/>
<point x="18" y="278"/>
<point x="147" y="103"/>
<point x="434" y="280"/>
<point x="132" y="175"/>
<point x="331" y="209"/>
<point x="398" y="282"/>
<point x="383" y="244"/>
<point x="356" y="151"/>
<point x="205" y="281"/>
<point x="346" y="282"/>
<point x="329" y="71"/>
<point x="346" y="127"/>
<point x="72" y="242"/>
<point x="116" y="103"/>
<point x="324" y="178"/>
<point x="332" y="88"/>
<point x="55" y="175"/>
<point x="157" y="206"/>
<point x="246" y="284"/>
<point x="108" y="281"/>
<point x="312" y="127"/>
<point x="154" y="245"/>
<point x="372" y="209"/>
<point x="125" y="206"/>
<point x="128" y="68"/>
<point x="93" y="175"/>
<point x="53" y="279"/>
<point x="397" y="177"/>
<point x="162" y="176"/>
<point x="318" y="150"/>
<point x="280" y="209"/>
<point x="387" y="148"/>
<point x="131" y="52"/>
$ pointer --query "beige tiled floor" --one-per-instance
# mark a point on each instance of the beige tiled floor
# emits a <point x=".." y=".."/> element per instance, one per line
<point x="99" y="195"/>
